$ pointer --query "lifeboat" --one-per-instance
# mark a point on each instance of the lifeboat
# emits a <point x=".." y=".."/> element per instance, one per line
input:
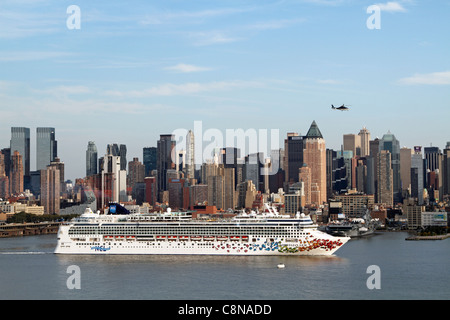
<point x="235" y="238"/>
<point x="160" y="237"/>
<point x="209" y="238"/>
<point x="222" y="238"/>
<point x="183" y="237"/>
<point x="196" y="238"/>
<point x="172" y="238"/>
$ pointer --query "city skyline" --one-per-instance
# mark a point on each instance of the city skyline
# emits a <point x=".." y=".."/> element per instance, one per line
<point x="134" y="71"/>
<point x="81" y="168"/>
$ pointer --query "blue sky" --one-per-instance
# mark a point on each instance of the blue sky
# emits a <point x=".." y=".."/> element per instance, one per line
<point x="138" y="69"/>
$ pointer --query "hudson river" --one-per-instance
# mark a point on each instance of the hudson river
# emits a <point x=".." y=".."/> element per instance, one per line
<point x="407" y="270"/>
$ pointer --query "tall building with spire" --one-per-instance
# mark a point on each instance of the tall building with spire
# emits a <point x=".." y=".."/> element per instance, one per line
<point x="190" y="152"/>
<point x="314" y="156"/>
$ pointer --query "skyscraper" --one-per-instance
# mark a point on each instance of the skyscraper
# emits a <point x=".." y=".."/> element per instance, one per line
<point x="114" y="180"/>
<point x="50" y="189"/>
<point x="91" y="159"/>
<point x="364" y="135"/>
<point x="46" y="147"/>
<point x="417" y="182"/>
<point x="136" y="172"/>
<point x="446" y="169"/>
<point x="432" y="157"/>
<point x="385" y="178"/>
<point x="4" y="180"/>
<point x="305" y="178"/>
<point x="6" y="160"/>
<point x="16" y="173"/>
<point x="190" y="153"/>
<point x="405" y="168"/>
<point x="252" y="169"/>
<point x="352" y="142"/>
<point x="59" y="166"/>
<point x="314" y="156"/>
<point x="119" y="151"/>
<point x="331" y="166"/>
<point x="165" y="159"/>
<point x="391" y="144"/>
<point x="293" y="161"/>
<point x="123" y="157"/>
<point x="374" y="146"/>
<point x="20" y="141"/>
<point x="216" y="191"/>
<point x="149" y="159"/>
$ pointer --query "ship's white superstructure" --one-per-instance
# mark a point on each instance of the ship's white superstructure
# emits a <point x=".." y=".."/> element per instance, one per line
<point x="267" y="233"/>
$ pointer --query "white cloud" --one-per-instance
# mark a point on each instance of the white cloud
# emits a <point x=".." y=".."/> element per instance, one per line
<point x="328" y="81"/>
<point x="326" y="2"/>
<point x="21" y="23"/>
<point x="190" y="16"/>
<point x="391" y="7"/>
<point x="275" y="24"/>
<point x="435" y="78"/>
<point x="171" y="89"/>
<point x="186" y="68"/>
<point x="211" y="38"/>
<point x="65" y="90"/>
<point x="31" y="55"/>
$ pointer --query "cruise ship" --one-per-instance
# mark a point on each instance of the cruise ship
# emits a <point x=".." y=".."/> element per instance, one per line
<point x="267" y="233"/>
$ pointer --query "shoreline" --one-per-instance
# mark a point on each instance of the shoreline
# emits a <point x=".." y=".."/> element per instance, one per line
<point x="438" y="237"/>
<point x="28" y="229"/>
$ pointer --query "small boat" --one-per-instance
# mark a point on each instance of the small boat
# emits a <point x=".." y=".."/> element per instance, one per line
<point x="281" y="266"/>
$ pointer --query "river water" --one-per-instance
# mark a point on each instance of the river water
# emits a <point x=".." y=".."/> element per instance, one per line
<point x="407" y="270"/>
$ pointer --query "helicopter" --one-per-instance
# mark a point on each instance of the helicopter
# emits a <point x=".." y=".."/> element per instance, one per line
<point x="341" y="108"/>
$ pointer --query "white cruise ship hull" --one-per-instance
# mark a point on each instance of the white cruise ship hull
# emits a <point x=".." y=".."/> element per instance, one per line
<point x="314" y="243"/>
<point x="177" y="233"/>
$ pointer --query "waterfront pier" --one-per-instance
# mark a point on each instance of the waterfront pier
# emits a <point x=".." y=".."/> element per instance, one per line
<point x="28" y="229"/>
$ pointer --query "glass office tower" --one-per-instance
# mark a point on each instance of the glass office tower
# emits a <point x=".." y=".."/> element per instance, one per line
<point x="46" y="147"/>
<point x="20" y="141"/>
<point x="91" y="159"/>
